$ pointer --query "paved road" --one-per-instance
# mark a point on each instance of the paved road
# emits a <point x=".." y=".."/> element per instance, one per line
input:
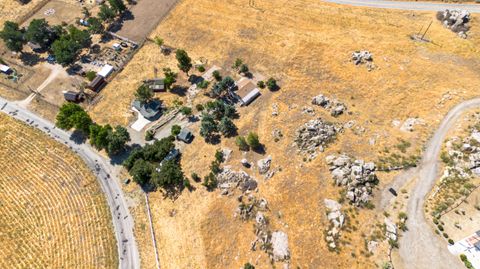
<point x="122" y="220"/>
<point x="420" y="247"/>
<point x="418" y="6"/>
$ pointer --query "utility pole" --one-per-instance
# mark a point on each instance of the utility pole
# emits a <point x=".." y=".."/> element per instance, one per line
<point x="426" y="30"/>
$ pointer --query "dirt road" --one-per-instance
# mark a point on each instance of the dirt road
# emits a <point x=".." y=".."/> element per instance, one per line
<point x="418" y="6"/>
<point x="419" y="246"/>
<point x="122" y="220"/>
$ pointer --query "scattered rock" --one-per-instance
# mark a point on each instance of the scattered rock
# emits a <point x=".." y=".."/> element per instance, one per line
<point x="372" y="246"/>
<point x="456" y="20"/>
<point x="229" y="180"/>
<point x="315" y="135"/>
<point x="308" y="110"/>
<point x="335" y="107"/>
<point x="226" y="154"/>
<point x="361" y="57"/>
<point x="334" y="215"/>
<point x="274" y="110"/>
<point x="264" y="165"/>
<point x="357" y="177"/>
<point x="277" y="134"/>
<point x="280" y="246"/>
<point x="391" y="229"/>
<point x="409" y="124"/>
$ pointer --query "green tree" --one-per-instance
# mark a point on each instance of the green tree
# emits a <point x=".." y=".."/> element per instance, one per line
<point x="38" y="31"/>
<point x="117" y="140"/>
<point x="242" y="143"/>
<point x="149" y="135"/>
<point x="184" y="61"/>
<point x="216" y="75"/>
<point x="227" y="127"/>
<point x="175" y="130"/>
<point x="170" y="178"/>
<point x="243" y="69"/>
<point x="12" y="35"/>
<point x="71" y="116"/>
<point x="238" y="62"/>
<point x="208" y="126"/>
<point x="253" y="141"/>
<point x="248" y="266"/>
<point x="144" y="94"/>
<point x="65" y="50"/>
<point x="141" y="171"/>
<point x="95" y="26"/>
<point x="80" y="37"/>
<point x="91" y="75"/>
<point x="99" y="136"/>
<point x="117" y="5"/>
<point x="136" y="154"/>
<point x="85" y="12"/>
<point x="185" y="110"/>
<point x="170" y="77"/>
<point x="106" y="13"/>
<point x="272" y="84"/>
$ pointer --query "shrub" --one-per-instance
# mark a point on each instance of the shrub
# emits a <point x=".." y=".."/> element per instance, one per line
<point x="203" y="84"/>
<point x="91" y="75"/>
<point x="445" y="235"/>
<point x="201" y="68"/>
<point x="272" y="84"/>
<point x="176" y="130"/>
<point x="242" y="143"/>
<point x="261" y="84"/>
<point x="248" y="266"/>
<point x="199" y="107"/>
<point x="450" y="241"/>
<point x="253" y="141"/>
<point x="216" y="75"/>
<point x="196" y="177"/>
<point x="149" y="135"/>
<point x="440" y="227"/>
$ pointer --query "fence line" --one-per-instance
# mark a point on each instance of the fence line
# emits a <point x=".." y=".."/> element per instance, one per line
<point x="154" y="241"/>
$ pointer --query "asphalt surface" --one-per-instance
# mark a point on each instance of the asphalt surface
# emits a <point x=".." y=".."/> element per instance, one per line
<point x="122" y="220"/>
<point x="419" y="246"/>
<point x="416" y="6"/>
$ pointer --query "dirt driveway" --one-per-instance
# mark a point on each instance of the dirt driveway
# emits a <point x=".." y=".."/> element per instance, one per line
<point x="143" y="19"/>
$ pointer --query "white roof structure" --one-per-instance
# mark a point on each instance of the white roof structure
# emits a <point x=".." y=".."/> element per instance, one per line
<point x="106" y="70"/>
<point x="470" y="246"/>
<point x="247" y="99"/>
<point x="247" y="91"/>
<point x="4" y="68"/>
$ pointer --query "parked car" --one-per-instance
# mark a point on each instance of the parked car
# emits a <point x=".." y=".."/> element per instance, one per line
<point x="392" y="191"/>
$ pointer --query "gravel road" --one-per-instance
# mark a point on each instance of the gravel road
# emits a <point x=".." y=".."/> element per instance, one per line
<point x="419" y="246"/>
<point x="122" y="220"/>
<point x="417" y="6"/>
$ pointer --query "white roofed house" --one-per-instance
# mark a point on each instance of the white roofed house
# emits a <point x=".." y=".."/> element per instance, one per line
<point x="106" y="71"/>
<point x="5" y="69"/>
<point x="247" y="91"/>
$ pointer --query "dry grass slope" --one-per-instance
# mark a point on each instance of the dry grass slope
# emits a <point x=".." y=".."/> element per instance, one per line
<point x="53" y="213"/>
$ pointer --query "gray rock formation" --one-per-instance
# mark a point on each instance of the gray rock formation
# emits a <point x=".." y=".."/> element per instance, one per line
<point x="280" y="248"/>
<point x="356" y="176"/>
<point x="456" y="20"/>
<point x="335" y="107"/>
<point x="264" y="165"/>
<point x="314" y="135"/>
<point x="229" y="180"/>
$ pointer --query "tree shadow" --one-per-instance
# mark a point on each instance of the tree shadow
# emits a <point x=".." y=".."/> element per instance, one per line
<point x="119" y="158"/>
<point x="194" y="79"/>
<point x="261" y="149"/>
<point x="214" y="139"/>
<point x="78" y="137"/>
<point x="179" y="90"/>
<point x="30" y="59"/>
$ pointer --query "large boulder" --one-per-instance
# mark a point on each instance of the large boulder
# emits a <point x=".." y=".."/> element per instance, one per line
<point x="280" y="248"/>
<point x="264" y="165"/>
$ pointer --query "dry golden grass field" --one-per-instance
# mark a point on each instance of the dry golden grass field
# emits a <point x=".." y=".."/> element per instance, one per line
<point x="53" y="213"/>
<point x="306" y="45"/>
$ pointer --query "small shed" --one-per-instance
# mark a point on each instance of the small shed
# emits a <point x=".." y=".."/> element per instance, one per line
<point x="72" y="96"/>
<point x="5" y="69"/>
<point x="116" y="46"/>
<point x="106" y="71"/>
<point x="247" y="91"/>
<point x="156" y="84"/>
<point x="97" y="84"/>
<point x="185" y="135"/>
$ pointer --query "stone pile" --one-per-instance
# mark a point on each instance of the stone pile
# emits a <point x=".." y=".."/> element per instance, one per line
<point x="335" y="107"/>
<point x="357" y="176"/>
<point x="249" y="208"/>
<point x="264" y="165"/>
<point x="229" y="180"/>
<point x="361" y="57"/>
<point x="456" y="20"/>
<point x="464" y="158"/>
<point x="336" y="219"/>
<point x="315" y="135"/>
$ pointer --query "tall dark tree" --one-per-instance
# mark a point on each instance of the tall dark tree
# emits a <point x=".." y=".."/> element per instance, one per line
<point x="208" y="126"/>
<point x="13" y="37"/>
<point x="184" y="61"/>
<point x="227" y="127"/>
<point x="144" y="94"/>
<point x="117" y="5"/>
<point x="99" y="136"/>
<point x="65" y="50"/>
<point x="95" y="26"/>
<point x="81" y="37"/>
<point x="170" y="177"/>
<point x="117" y="140"/>
<point x="38" y="31"/>
<point x="71" y="116"/>
<point x="170" y="77"/>
<point x="141" y="171"/>
<point x="106" y="13"/>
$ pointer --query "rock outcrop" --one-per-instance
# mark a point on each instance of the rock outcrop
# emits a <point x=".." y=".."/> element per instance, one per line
<point x="264" y="165"/>
<point x="315" y="135"/>
<point x="336" y="219"/>
<point x="456" y="20"/>
<point x="280" y="248"/>
<point x="335" y="107"/>
<point x="229" y="180"/>
<point x="358" y="177"/>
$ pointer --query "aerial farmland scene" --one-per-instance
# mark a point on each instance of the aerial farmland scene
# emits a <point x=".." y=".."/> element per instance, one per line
<point x="244" y="134"/>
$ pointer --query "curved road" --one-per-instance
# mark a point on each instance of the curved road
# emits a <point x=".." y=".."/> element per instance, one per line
<point x="420" y="247"/>
<point x="122" y="220"/>
<point x="418" y="6"/>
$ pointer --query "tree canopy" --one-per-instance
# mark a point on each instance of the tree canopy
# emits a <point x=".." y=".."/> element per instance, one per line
<point x="170" y="77"/>
<point x="184" y="61"/>
<point x="106" y="13"/>
<point x="144" y="94"/>
<point x="71" y="116"/>
<point x="39" y="32"/>
<point x="67" y="47"/>
<point x="12" y="35"/>
<point x="117" y="5"/>
<point x="95" y="25"/>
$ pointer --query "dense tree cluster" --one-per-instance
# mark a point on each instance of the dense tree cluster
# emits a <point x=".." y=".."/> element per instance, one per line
<point x="218" y="119"/>
<point x="220" y="88"/>
<point x="73" y="116"/>
<point x="147" y="166"/>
